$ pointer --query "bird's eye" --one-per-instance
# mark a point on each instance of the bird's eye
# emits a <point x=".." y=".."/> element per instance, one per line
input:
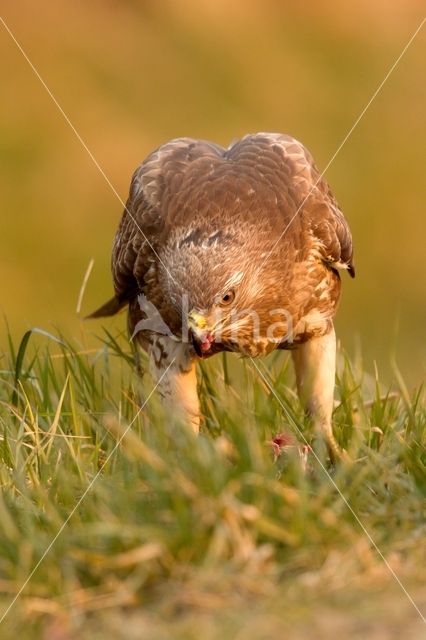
<point x="227" y="298"/>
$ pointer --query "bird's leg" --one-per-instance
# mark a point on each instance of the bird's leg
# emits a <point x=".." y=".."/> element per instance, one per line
<point x="315" y="366"/>
<point x="183" y="397"/>
<point x="174" y="371"/>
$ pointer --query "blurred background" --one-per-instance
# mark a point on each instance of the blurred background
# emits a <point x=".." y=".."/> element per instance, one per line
<point x="131" y="74"/>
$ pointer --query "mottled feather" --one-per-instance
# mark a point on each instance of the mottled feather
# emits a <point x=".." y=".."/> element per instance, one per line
<point x="255" y="223"/>
<point x="191" y="202"/>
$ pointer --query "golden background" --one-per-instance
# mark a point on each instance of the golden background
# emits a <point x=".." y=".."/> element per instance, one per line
<point x="130" y="75"/>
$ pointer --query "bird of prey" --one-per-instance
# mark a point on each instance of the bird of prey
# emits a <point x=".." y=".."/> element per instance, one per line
<point x="232" y="249"/>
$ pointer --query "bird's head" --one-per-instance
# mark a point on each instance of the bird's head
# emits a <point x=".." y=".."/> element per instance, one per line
<point x="224" y="300"/>
<point x="208" y="326"/>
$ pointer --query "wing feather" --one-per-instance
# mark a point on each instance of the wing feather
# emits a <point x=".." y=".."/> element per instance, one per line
<point x="154" y="184"/>
<point x="319" y="209"/>
<point x="186" y="175"/>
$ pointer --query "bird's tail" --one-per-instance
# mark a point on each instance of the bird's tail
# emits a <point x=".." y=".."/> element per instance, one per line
<point x="110" y="308"/>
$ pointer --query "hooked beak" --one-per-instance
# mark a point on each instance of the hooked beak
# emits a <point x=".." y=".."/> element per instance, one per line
<point x="201" y="336"/>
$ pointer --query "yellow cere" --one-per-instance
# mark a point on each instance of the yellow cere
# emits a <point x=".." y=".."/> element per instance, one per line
<point x="196" y="320"/>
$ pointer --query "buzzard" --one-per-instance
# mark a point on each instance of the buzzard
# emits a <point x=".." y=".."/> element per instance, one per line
<point x="232" y="249"/>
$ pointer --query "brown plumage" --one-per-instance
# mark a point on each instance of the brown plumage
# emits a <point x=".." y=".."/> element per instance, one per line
<point x="232" y="249"/>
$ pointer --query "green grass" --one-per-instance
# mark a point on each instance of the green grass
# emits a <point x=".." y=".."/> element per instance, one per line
<point x="164" y="535"/>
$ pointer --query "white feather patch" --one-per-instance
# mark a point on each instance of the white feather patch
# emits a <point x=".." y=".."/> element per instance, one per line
<point x="234" y="279"/>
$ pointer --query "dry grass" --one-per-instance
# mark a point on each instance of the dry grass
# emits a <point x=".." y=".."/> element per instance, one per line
<point x="181" y="536"/>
